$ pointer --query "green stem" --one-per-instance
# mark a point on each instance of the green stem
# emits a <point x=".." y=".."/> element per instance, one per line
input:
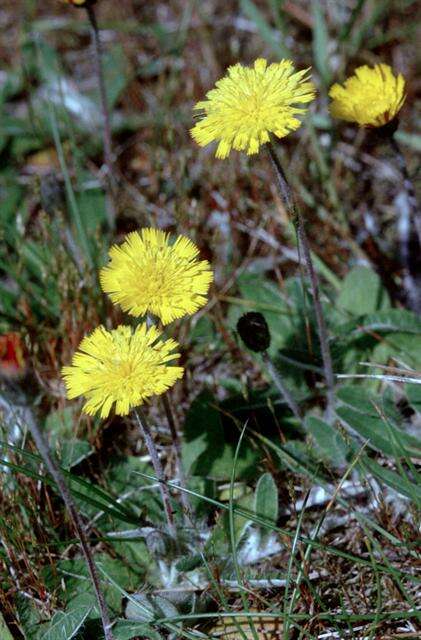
<point x="409" y="232"/>
<point x="178" y="454"/>
<point x="279" y="384"/>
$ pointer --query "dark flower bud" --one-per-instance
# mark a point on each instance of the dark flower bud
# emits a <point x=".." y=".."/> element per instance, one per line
<point x="254" y="331"/>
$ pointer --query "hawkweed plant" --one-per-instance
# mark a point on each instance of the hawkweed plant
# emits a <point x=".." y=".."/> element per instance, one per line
<point x="151" y="275"/>
<point x="247" y="107"/>
<point x="372" y="98"/>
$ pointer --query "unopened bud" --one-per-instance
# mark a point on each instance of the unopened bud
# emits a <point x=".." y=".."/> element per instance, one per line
<point x="254" y="331"/>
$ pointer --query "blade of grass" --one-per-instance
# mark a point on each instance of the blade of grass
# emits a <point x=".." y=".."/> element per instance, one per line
<point x="294" y="549"/>
<point x="267" y="33"/>
<point x="343" y="617"/>
<point x="233" y="542"/>
<point x="348" y="26"/>
<point x="320" y="43"/>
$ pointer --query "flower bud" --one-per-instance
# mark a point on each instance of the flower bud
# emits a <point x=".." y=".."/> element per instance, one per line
<point x="254" y="331"/>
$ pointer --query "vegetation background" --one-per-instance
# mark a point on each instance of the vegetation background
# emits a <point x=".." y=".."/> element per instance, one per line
<point x="301" y="529"/>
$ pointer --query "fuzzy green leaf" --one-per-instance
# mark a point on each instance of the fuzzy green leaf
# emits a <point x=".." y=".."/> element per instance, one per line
<point x="266" y="498"/>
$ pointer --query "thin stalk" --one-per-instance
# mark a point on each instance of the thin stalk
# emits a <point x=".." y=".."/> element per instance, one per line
<point x="97" y="56"/>
<point x="409" y="231"/>
<point x="77" y="524"/>
<point x="233" y="540"/>
<point x="288" y="199"/>
<point x="408" y="186"/>
<point x="178" y="453"/>
<point x="146" y="434"/>
<point x="279" y="384"/>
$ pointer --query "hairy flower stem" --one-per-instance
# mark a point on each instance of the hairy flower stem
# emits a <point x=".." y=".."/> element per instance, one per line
<point x="77" y="524"/>
<point x="97" y="51"/>
<point x="178" y="454"/>
<point x="279" y="384"/>
<point x="409" y="231"/>
<point x="408" y="186"/>
<point x="146" y="434"/>
<point x="288" y="199"/>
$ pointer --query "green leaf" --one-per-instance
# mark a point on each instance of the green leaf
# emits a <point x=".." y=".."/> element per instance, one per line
<point x="79" y="586"/>
<point x="411" y="140"/>
<point x="64" y="624"/>
<point x="267" y="33"/>
<point x="117" y="74"/>
<point x="320" y="43"/>
<point x="92" y="207"/>
<point x="4" y="631"/>
<point x="220" y="542"/>
<point x="127" y="629"/>
<point x="70" y="450"/>
<point x="389" y="320"/>
<point x="328" y="440"/>
<point x="260" y="294"/>
<point x="266" y="498"/>
<point x="413" y="393"/>
<point x="392" y="479"/>
<point x="381" y="436"/>
<point x="361" y="399"/>
<point x="189" y="563"/>
<point x="362" y="292"/>
<point x="29" y="615"/>
<point x="205" y="450"/>
<point x="145" y="608"/>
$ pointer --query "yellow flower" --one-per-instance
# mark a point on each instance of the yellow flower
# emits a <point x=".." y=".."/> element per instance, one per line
<point x="371" y="98"/>
<point x="148" y="274"/>
<point x="250" y="103"/>
<point x="122" y="366"/>
<point x="80" y="3"/>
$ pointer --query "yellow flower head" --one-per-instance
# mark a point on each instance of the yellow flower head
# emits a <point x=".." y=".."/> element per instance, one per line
<point x="122" y="366"/>
<point x="371" y="98"/>
<point x="148" y="274"/>
<point x="80" y="3"/>
<point x="249" y="103"/>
